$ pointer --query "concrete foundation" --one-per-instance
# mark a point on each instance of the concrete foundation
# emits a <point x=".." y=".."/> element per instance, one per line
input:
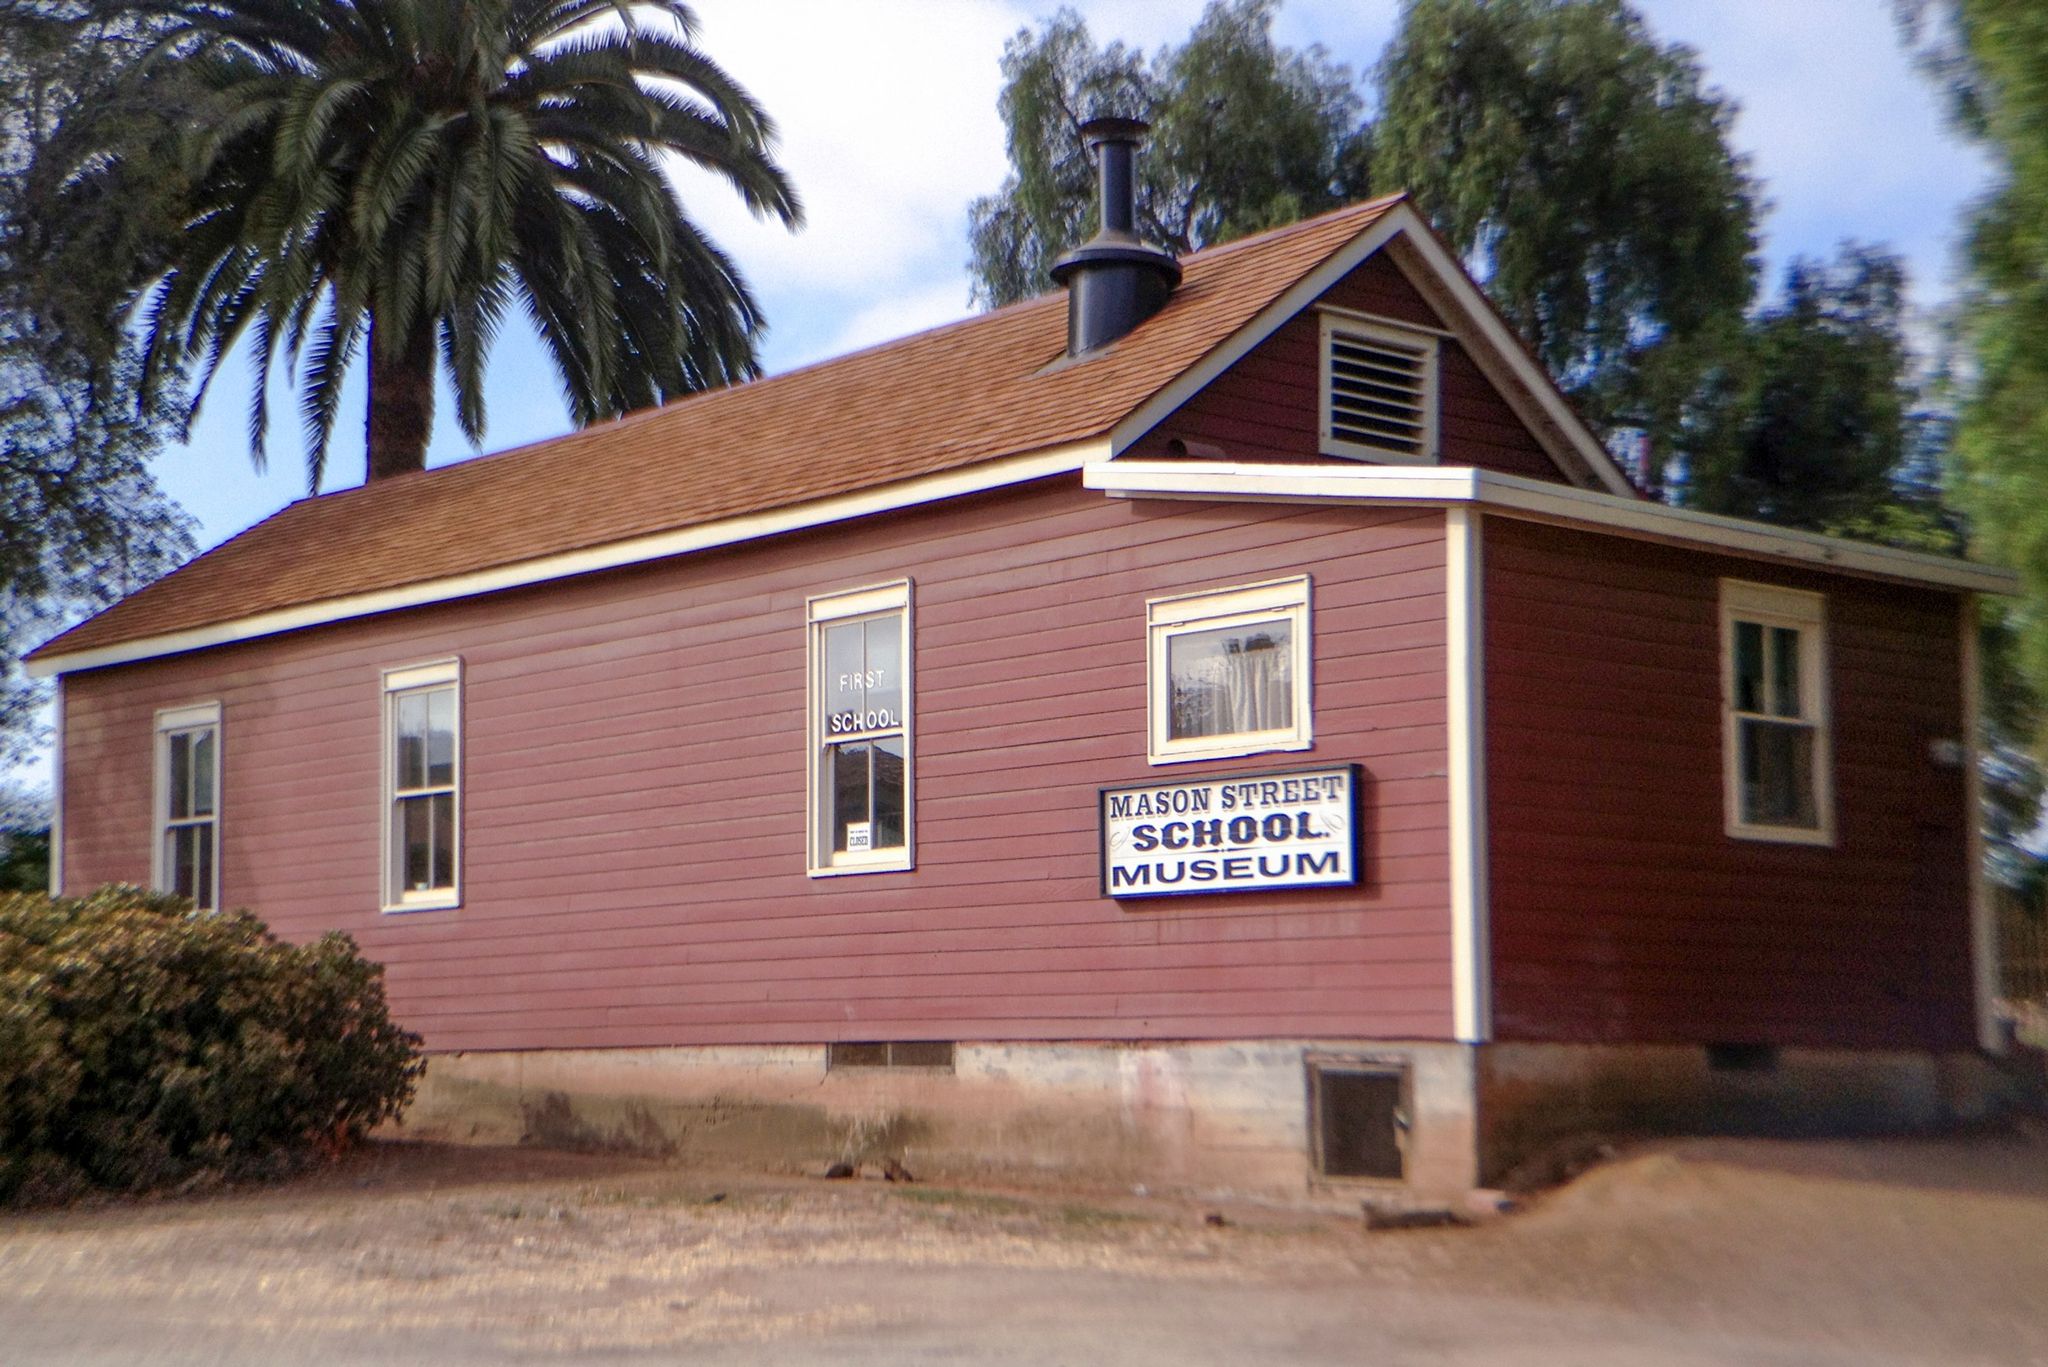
<point x="1221" y="1120"/>
<point x="1218" y="1120"/>
<point x="1531" y="1097"/>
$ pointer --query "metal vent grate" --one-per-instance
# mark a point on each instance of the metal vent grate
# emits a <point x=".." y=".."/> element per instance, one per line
<point x="1358" y="1115"/>
<point x="1380" y="392"/>
<point x="892" y="1054"/>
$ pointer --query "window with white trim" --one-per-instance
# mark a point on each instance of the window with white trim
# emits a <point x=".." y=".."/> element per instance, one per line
<point x="1775" y="742"/>
<point x="187" y="857"/>
<point x="1379" y="390"/>
<point x="860" y="731"/>
<point x="423" y="786"/>
<point x="1229" y="671"/>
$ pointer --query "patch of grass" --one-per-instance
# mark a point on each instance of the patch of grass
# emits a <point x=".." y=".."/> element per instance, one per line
<point x="967" y="1202"/>
<point x="1096" y="1217"/>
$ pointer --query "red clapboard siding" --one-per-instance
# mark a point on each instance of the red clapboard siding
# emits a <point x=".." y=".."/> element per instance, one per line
<point x="1621" y="911"/>
<point x="1267" y="405"/>
<point x="634" y="791"/>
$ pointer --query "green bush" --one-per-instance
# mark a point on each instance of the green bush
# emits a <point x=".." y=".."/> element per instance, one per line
<point x="142" y="1044"/>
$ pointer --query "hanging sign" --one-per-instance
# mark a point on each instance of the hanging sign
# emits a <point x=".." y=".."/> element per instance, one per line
<point x="1238" y="833"/>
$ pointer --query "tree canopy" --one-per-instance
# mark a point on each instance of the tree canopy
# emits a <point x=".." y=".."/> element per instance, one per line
<point x="1811" y="418"/>
<point x="1246" y="135"/>
<point x="1992" y="56"/>
<point x="81" y="519"/>
<point x="392" y="177"/>
<point x="1585" y="169"/>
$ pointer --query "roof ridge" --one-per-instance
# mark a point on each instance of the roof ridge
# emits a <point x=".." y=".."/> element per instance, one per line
<point x="1377" y="203"/>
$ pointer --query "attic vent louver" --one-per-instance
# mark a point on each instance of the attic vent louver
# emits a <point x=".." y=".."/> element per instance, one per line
<point x="1379" y="392"/>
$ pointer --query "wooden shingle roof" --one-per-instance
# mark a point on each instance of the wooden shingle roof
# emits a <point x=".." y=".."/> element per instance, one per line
<point x="972" y="391"/>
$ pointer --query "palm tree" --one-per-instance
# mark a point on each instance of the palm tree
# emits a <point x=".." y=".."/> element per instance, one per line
<point x="391" y="176"/>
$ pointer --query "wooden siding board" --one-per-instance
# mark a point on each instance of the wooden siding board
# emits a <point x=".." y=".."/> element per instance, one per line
<point x="1621" y="911"/>
<point x="633" y="791"/>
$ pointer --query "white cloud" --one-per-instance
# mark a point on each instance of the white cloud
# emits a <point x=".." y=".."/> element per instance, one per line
<point x="899" y="315"/>
<point x="889" y="128"/>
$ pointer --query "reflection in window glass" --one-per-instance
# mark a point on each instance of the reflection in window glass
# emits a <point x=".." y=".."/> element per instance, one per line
<point x="1230" y="681"/>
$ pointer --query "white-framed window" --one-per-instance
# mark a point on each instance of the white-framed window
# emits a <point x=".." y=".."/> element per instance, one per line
<point x="1776" y="750"/>
<point x="860" y="701"/>
<point x="187" y="856"/>
<point x="1379" y="390"/>
<point x="1229" y="671"/>
<point x="422" y="819"/>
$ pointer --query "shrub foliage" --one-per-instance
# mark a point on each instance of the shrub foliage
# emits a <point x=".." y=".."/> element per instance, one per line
<point x="143" y="1044"/>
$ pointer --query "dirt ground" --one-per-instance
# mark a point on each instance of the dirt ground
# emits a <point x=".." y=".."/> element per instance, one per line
<point x="1925" y="1251"/>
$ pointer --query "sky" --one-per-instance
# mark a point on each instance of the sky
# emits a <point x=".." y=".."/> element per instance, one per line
<point x="887" y="113"/>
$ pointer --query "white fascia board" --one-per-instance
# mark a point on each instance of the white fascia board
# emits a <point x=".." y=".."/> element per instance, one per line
<point x="1535" y="500"/>
<point x="910" y="493"/>
<point x="1497" y="349"/>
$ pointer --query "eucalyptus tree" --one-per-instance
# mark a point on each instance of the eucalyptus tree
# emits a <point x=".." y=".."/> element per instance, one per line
<point x="391" y="178"/>
<point x="1246" y="135"/>
<point x="1585" y="170"/>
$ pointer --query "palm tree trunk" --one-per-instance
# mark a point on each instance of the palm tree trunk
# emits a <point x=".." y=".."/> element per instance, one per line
<point x="401" y="404"/>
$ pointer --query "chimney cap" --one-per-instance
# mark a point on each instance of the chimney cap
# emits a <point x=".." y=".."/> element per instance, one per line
<point x="1113" y="128"/>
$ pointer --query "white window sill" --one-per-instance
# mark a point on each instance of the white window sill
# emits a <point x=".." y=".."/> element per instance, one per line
<point x="892" y="863"/>
<point x="1780" y="835"/>
<point x="425" y="901"/>
<point x="1233" y="749"/>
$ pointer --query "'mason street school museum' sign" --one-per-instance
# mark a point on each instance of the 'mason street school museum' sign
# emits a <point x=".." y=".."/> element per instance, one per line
<point x="1237" y="833"/>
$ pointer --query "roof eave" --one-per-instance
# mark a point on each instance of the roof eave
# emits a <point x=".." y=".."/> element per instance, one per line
<point x="901" y="494"/>
<point x="1536" y="500"/>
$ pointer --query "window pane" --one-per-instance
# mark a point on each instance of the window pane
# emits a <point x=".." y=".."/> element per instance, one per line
<point x="884" y="671"/>
<point x="410" y="727"/>
<point x="202" y="773"/>
<point x="1231" y="680"/>
<point x="844" y="689"/>
<point x="441" y="738"/>
<point x="202" y="865"/>
<point x="1777" y="774"/>
<point x="1749" y="667"/>
<point x="415" y="841"/>
<point x="888" y="794"/>
<point x="1785" y="672"/>
<point x="178" y="860"/>
<point x="852" y="828"/>
<point x="444" y="839"/>
<point x="179" y="780"/>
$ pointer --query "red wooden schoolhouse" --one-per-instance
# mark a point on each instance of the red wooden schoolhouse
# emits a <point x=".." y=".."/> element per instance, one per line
<point x="1224" y="724"/>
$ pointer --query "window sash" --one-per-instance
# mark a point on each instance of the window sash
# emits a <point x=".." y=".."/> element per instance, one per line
<point x="861" y="701"/>
<point x="422" y="824"/>
<point x="186" y="855"/>
<point x="1283" y="602"/>
<point x="1777" y="742"/>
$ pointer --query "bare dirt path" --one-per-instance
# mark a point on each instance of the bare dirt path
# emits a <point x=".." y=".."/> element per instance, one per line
<point x="1700" y="1252"/>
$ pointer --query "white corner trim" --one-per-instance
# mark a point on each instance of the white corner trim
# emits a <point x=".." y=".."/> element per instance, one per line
<point x="1983" y="910"/>
<point x="57" y="789"/>
<point x="1537" y="501"/>
<point x="1465" y="704"/>
<point x="910" y="493"/>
